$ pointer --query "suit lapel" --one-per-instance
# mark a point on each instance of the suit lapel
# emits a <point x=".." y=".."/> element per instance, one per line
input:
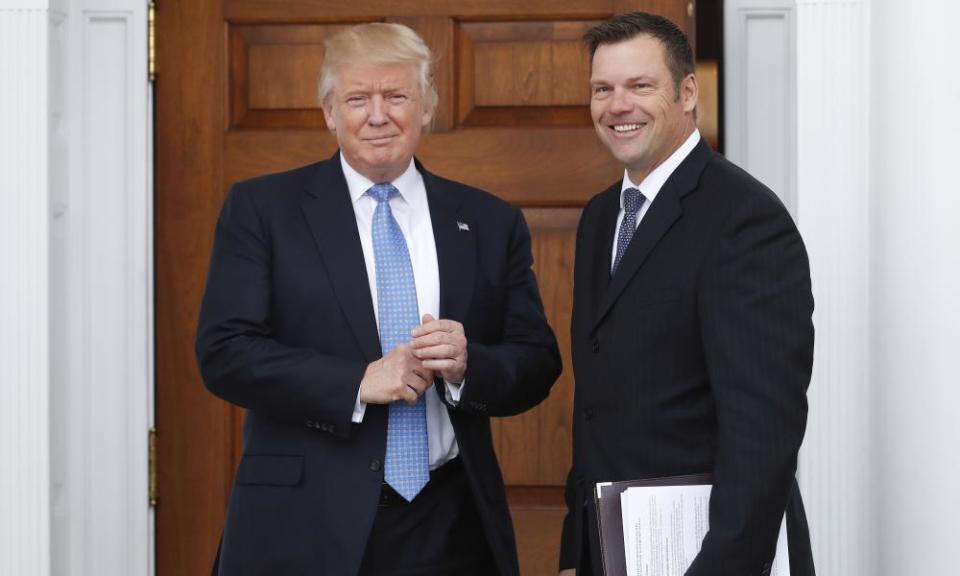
<point x="455" y="237"/>
<point x="329" y="213"/>
<point x="602" y="245"/>
<point x="661" y="216"/>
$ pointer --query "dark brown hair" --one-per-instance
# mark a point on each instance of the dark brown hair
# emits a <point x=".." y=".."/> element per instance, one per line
<point x="627" y="26"/>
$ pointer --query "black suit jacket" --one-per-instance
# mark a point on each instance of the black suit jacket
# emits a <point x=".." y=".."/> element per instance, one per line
<point x="287" y="329"/>
<point x="695" y="357"/>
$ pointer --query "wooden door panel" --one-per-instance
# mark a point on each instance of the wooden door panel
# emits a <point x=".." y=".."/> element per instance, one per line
<point x="236" y="98"/>
<point x="368" y="10"/>
<point x="525" y="166"/>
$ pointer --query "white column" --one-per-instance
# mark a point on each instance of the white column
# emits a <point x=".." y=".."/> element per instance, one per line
<point x="833" y="141"/>
<point x="797" y="107"/>
<point x="76" y="299"/>
<point x="24" y="334"/>
<point x="102" y="297"/>
<point x="915" y="217"/>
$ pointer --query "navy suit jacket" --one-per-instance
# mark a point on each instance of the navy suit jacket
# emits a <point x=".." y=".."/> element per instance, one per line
<point x="695" y="357"/>
<point x="287" y="329"/>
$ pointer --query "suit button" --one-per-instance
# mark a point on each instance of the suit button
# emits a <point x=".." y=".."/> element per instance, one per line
<point x="588" y="413"/>
<point x="596" y="346"/>
<point x="374" y="465"/>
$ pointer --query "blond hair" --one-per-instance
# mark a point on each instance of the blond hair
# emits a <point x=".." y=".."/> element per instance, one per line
<point x="377" y="43"/>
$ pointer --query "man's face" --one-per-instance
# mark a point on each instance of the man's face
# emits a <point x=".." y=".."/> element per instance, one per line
<point x="635" y="108"/>
<point x="378" y="115"/>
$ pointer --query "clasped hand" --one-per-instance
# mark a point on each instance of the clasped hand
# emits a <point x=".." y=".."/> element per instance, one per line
<point x="436" y="347"/>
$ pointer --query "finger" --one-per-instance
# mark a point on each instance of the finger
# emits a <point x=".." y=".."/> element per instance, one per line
<point x="442" y="325"/>
<point x="427" y="322"/>
<point x="441" y="365"/>
<point x="423" y="372"/>
<point x="409" y="395"/>
<point x="416" y="382"/>
<point x="438" y="351"/>
<point x="436" y="338"/>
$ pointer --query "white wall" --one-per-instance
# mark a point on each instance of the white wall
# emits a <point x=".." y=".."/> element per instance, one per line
<point x="915" y="268"/>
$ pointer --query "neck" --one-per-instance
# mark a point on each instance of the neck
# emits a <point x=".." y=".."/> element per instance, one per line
<point x="639" y="172"/>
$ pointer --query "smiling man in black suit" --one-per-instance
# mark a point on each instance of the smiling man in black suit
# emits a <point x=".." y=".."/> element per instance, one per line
<point x="371" y="317"/>
<point x="692" y="335"/>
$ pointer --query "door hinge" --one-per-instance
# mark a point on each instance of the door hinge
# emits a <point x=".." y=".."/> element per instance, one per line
<point x="152" y="466"/>
<point x="152" y="42"/>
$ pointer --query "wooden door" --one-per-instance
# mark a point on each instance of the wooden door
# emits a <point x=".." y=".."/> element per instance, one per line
<point x="236" y="97"/>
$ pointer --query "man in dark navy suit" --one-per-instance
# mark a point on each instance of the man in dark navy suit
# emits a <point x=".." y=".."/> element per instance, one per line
<point x="371" y="317"/>
<point x="691" y="334"/>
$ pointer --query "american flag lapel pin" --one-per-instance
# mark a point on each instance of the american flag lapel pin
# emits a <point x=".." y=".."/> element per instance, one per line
<point x="462" y="226"/>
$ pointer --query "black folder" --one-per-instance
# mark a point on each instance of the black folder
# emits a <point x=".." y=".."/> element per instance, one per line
<point x="610" y="519"/>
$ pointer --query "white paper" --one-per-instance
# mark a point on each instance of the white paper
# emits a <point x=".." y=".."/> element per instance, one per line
<point x="664" y="527"/>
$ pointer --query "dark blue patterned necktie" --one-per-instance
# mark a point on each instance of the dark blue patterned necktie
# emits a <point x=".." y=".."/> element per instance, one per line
<point x="406" y="467"/>
<point x="632" y="202"/>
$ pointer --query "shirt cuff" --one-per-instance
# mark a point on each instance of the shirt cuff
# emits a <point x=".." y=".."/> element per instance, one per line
<point x="453" y="391"/>
<point x="359" y="409"/>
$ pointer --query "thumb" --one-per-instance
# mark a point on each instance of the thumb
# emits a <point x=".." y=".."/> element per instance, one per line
<point x="427" y="318"/>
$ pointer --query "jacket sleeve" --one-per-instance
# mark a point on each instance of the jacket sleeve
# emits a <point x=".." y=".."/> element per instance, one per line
<point x="239" y="357"/>
<point x="515" y="373"/>
<point x="755" y="306"/>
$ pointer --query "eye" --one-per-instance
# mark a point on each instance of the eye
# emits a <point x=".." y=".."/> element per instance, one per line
<point x="600" y="90"/>
<point x="397" y="98"/>
<point x="356" y="101"/>
<point x="641" y="85"/>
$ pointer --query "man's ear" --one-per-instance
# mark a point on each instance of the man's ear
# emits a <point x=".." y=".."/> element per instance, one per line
<point x="327" y="107"/>
<point x="689" y="92"/>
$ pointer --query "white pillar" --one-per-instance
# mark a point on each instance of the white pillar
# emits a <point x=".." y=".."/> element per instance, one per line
<point x="797" y="109"/>
<point x="24" y="334"/>
<point x="837" y="462"/>
<point x="76" y="297"/>
<point x="915" y="234"/>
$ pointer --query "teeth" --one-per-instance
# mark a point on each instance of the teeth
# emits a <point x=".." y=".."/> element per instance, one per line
<point x="626" y="127"/>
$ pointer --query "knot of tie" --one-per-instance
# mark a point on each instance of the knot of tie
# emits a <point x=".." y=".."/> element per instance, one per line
<point x="632" y="200"/>
<point x="382" y="192"/>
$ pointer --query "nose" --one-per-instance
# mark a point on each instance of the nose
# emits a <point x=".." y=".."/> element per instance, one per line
<point x="378" y="111"/>
<point x="620" y="101"/>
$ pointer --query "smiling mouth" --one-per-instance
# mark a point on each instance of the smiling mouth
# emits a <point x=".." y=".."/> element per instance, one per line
<point x="380" y="139"/>
<point x="627" y="128"/>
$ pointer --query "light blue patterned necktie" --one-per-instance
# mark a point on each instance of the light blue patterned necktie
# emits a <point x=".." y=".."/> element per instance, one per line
<point x="406" y="467"/>
<point x="632" y="202"/>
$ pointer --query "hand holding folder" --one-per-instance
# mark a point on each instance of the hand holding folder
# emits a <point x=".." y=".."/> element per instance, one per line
<point x="664" y="520"/>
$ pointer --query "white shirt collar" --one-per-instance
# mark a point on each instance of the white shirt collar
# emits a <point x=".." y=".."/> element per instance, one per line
<point x="655" y="180"/>
<point x="358" y="184"/>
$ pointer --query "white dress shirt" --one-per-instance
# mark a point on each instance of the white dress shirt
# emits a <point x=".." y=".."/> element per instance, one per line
<point x="412" y="213"/>
<point x="652" y="184"/>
